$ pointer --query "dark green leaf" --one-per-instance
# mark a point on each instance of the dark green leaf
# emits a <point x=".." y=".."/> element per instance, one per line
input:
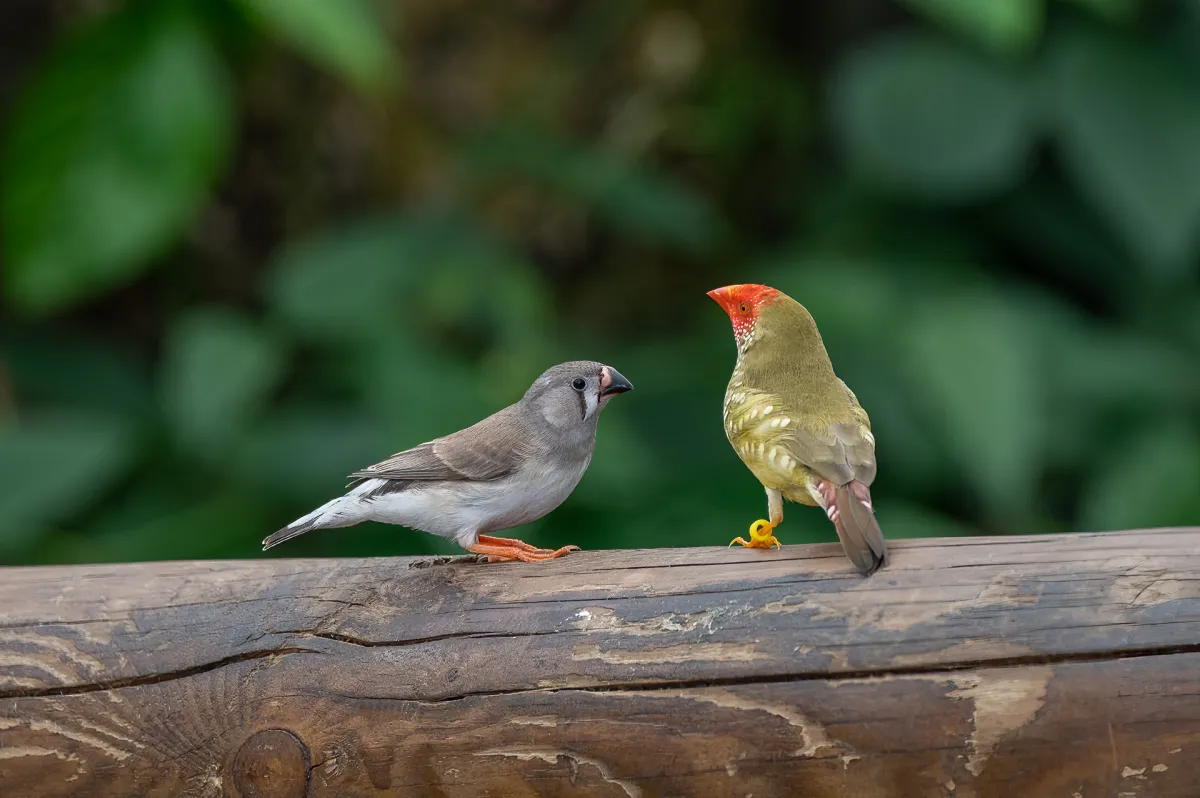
<point x="65" y="370"/>
<point x="306" y="454"/>
<point x="52" y="466"/>
<point x="633" y="197"/>
<point x="110" y="152"/>
<point x="346" y="283"/>
<point x="227" y="523"/>
<point x="624" y="472"/>
<point x="1127" y="124"/>
<point x="217" y="373"/>
<point x="377" y="278"/>
<point x="900" y="520"/>
<point x="972" y="367"/>
<point x="422" y="394"/>
<point x="345" y="36"/>
<point x="1007" y="26"/>
<point x="1110" y="10"/>
<point x="1148" y="481"/>
<point x="921" y="116"/>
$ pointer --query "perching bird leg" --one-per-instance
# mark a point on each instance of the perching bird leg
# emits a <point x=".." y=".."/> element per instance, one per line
<point x="500" y="549"/>
<point x="761" y="531"/>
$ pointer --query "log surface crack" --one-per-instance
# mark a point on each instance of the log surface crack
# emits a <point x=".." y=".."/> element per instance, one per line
<point x="151" y="678"/>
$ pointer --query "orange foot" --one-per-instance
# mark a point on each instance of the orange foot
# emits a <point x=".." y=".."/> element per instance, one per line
<point x="501" y="549"/>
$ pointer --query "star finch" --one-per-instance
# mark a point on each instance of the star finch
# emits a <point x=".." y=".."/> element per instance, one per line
<point x="509" y="469"/>
<point x="796" y="426"/>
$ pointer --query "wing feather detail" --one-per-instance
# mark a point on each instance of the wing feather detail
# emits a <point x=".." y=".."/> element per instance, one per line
<point x="491" y="449"/>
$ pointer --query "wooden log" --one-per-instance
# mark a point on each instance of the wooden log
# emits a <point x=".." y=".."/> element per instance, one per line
<point x="1020" y="666"/>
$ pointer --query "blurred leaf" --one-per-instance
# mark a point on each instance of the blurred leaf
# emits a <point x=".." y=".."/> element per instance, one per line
<point x="971" y="365"/>
<point x="635" y="198"/>
<point x="926" y="118"/>
<point x="624" y="471"/>
<point x="345" y="283"/>
<point x="305" y="454"/>
<point x="422" y="394"/>
<point x="56" y="369"/>
<point x="1053" y="224"/>
<point x="900" y="519"/>
<point x="482" y="284"/>
<point x="54" y="465"/>
<point x="1006" y="26"/>
<point x="852" y="298"/>
<point x="373" y="279"/>
<point x="110" y="152"/>
<point x="1098" y="377"/>
<point x="1100" y="368"/>
<point x="747" y="98"/>
<point x="345" y="36"/>
<point x="1110" y="10"/>
<point x="217" y="372"/>
<point x="1148" y="481"/>
<point x="229" y="523"/>
<point x="1127" y="124"/>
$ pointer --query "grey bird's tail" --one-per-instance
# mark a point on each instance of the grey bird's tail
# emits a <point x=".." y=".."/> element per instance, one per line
<point x="861" y="537"/>
<point x="295" y="530"/>
<point x="335" y="513"/>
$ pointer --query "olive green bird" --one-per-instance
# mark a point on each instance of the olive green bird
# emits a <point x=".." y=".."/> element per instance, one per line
<point x="797" y="427"/>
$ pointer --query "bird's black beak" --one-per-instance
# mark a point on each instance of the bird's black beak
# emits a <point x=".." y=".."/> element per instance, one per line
<point x="612" y="382"/>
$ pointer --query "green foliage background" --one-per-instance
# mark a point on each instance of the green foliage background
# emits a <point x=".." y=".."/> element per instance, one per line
<point x="252" y="245"/>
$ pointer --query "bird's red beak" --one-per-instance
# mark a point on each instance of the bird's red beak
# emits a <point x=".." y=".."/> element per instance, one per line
<point x="723" y="297"/>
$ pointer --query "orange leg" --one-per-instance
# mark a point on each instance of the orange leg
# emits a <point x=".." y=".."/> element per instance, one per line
<point x="500" y="549"/>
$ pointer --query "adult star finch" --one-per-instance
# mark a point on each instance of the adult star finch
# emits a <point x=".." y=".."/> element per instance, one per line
<point x="797" y="427"/>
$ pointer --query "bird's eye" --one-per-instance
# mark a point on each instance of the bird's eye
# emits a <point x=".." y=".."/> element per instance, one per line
<point x="743" y="308"/>
<point x="578" y="383"/>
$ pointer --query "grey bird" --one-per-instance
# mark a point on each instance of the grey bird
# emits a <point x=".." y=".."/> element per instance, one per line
<point x="513" y="467"/>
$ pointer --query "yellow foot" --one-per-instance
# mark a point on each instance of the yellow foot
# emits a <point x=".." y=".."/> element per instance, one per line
<point x="760" y="536"/>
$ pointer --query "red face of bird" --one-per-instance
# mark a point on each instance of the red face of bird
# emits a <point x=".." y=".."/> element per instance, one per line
<point x="743" y="303"/>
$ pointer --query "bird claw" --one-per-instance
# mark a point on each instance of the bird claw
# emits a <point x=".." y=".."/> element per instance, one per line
<point x="761" y="537"/>
<point x="506" y="549"/>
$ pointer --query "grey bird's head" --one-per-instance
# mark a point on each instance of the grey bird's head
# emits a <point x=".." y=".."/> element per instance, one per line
<point x="571" y="395"/>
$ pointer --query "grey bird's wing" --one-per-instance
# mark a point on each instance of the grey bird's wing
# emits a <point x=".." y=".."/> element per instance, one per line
<point x="839" y="452"/>
<point x="493" y="448"/>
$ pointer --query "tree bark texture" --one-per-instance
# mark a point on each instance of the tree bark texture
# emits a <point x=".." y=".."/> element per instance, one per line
<point x="1063" y="665"/>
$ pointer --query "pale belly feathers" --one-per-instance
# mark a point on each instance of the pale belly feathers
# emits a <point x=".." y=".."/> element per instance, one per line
<point x="758" y="428"/>
<point x="464" y="510"/>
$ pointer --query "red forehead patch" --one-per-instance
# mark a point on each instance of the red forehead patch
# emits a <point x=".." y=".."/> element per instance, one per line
<point x="753" y="295"/>
<point x="742" y="303"/>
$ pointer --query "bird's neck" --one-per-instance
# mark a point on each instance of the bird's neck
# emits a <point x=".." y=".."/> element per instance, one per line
<point x="786" y="343"/>
<point x="788" y="326"/>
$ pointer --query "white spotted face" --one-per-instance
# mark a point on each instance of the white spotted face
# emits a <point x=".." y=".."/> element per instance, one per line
<point x="742" y="303"/>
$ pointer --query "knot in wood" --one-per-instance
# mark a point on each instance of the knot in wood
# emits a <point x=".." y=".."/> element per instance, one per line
<point x="271" y="764"/>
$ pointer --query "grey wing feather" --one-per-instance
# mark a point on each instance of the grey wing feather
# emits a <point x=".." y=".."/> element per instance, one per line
<point x="493" y="448"/>
<point x="853" y="453"/>
<point x="843" y="452"/>
<point x="839" y="454"/>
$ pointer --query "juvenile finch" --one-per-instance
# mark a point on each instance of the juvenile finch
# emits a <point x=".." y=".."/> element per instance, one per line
<point x="796" y="426"/>
<point x="509" y="469"/>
